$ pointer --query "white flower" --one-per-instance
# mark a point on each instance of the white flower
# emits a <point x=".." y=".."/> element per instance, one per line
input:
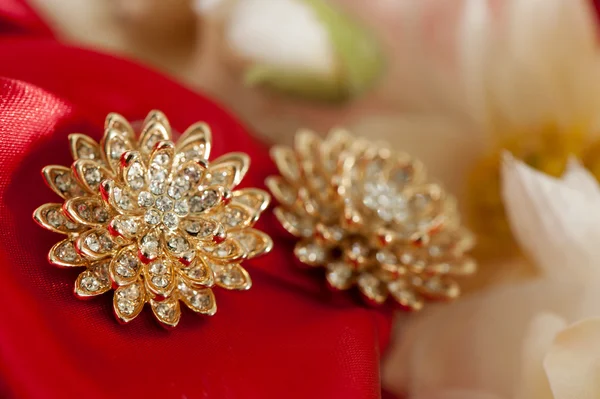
<point x="518" y="341"/>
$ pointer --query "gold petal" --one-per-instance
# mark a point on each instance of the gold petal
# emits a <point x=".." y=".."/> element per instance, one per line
<point x="133" y="171"/>
<point x="94" y="281"/>
<point x="64" y="254"/>
<point x="195" y="143"/>
<point x="285" y="159"/>
<point x="156" y="128"/>
<point x="125" y="267"/>
<point x="254" y="242"/>
<point x="161" y="157"/>
<point x="90" y="174"/>
<point x="456" y="267"/>
<point x="199" y="300"/>
<point x="125" y="226"/>
<point x="90" y="211"/>
<point x="283" y="192"/>
<point x="84" y="147"/>
<point x="231" y="276"/>
<point x="228" y="170"/>
<point x="311" y="253"/>
<point x="229" y="250"/>
<point x="160" y="276"/>
<point x="115" y="145"/>
<point x="52" y="217"/>
<point x="179" y="246"/>
<point x="373" y="289"/>
<point x="404" y="295"/>
<point x="340" y="275"/>
<point x="198" y="273"/>
<point x="119" y="198"/>
<point x="96" y="243"/>
<point x="201" y="228"/>
<point x="128" y="301"/>
<point x="299" y="226"/>
<point x="254" y="198"/>
<point x="157" y="116"/>
<point x="236" y="217"/>
<point x="437" y="287"/>
<point x="150" y="245"/>
<point x="168" y="311"/>
<point x="60" y="179"/>
<point x="307" y="143"/>
<point x="118" y="124"/>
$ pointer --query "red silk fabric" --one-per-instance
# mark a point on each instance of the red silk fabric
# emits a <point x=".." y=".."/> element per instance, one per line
<point x="288" y="337"/>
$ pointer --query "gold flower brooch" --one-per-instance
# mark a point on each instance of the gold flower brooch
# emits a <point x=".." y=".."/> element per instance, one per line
<point x="370" y="217"/>
<point x="153" y="219"/>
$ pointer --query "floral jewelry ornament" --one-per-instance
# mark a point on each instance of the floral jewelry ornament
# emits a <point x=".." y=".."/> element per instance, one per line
<point x="369" y="216"/>
<point x="153" y="219"/>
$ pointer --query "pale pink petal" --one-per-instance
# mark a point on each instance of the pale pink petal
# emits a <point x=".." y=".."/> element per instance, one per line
<point x="475" y="342"/>
<point x="573" y="362"/>
<point x="558" y="226"/>
<point x="533" y="379"/>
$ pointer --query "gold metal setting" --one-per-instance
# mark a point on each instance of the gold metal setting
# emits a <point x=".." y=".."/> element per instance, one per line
<point x="370" y="217"/>
<point x="152" y="219"/>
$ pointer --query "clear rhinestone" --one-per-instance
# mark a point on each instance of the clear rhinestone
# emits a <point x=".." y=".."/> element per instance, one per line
<point x="92" y="176"/>
<point x="311" y="253"/>
<point x="157" y="173"/>
<point x="90" y="283"/>
<point x="145" y="199"/>
<point x="158" y="268"/>
<point x="63" y="182"/>
<point x="358" y="249"/>
<point x="231" y="276"/>
<point x="126" y="306"/>
<point x="200" y="300"/>
<point x="55" y="218"/>
<point x="164" y="204"/>
<point x="338" y="274"/>
<point x="122" y="199"/>
<point x="83" y="211"/>
<point x="157" y="187"/>
<point x="161" y="159"/>
<point x="127" y="265"/>
<point x="117" y="149"/>
<point x="206" y="200"/>
<point x="386" y="257"/>
<point x="233" y="217"/>
<point x="152" y="217"/>
<point x="70" y="225"/>
<point x="171" y="220"/>
<point x="130" y="292"/>
<point x="166" y="311"/>
<point x="160" y="281"/>
<point x="86" y="152"/>
<point x="150" y="245"/>
<point x="105" y="242"/>
<point x="100" y="214"/>
<point x="93" y="243"/>
<point x="152" y="140"/>
<point x="192" y="173"/>
<point x="67" y="252"/>
<point x="181" y="207"/>
<point x="224" y="250"/>
<point x="128" y="226"/>
<point x="178" y="187"/>
<point x="248" y="241"/>
<point x="219" y="177"/>
<point x="197" y="272"/>
<point x="135" y="176"/>
<point x="370" y="285"/>
<point x="178" y="244"/>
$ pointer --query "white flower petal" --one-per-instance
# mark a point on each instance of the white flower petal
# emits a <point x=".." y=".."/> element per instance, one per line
<point x="580" y="179"/>
<point x="558" y="226"/>
<point x="282" y="33"/>
<point x="542" y="331"/>
<point x="573" y="362"/>
<point x="483" y="333"/>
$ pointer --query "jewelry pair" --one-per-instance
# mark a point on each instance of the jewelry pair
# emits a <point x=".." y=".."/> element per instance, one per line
<point x="157" y="222"/>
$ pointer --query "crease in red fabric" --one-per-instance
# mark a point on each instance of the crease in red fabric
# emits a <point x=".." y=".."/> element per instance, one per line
<point x="286" y="337"/>
<point x="17" y="17"/>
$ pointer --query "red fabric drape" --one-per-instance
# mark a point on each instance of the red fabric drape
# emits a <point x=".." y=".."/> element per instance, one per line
<point x="287" y="337"/>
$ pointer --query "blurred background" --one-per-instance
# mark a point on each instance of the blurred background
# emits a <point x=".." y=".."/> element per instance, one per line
<point x="452" y="82"/>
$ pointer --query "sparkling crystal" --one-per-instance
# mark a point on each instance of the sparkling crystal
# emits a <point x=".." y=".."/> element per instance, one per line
<point x="231" y="276"/>
<point x="67" y="252"/>
<point x="127" y="265"/>
<point x="171" y="220"/>
<point x="311" y="253"/>
<point x="160" y="281"/>
<point x="135" y="176"/>
<point x="166" y="311"/>
<point x="207" y="199"/>
<point x="150" y="245"/>
<point x="197" y="272"/>
<point x="85" y="151"/>
<point x="126" y="306"/>
<point x="164" y="204"/>
<point x="178" y="244"/>
<point x="106" y="243"/>
<point x="224" y="250"/>
<point x="129" y="226"/>
<point x="55" y="218"/>
<point x="161" y="159"/>
<point x="157" y="173"/>
<point x="192" y="173"/>
<point x="152" y="217"/>
<point x="338" y="274"/>
<point x="248" y="241"/>
<point x="152" y="140"/>
<point x="218" y="177"/>
<point x="93" y="242"/>
<point x="158" y="268"/>
<point x="83" y="211"/>
<point x="200" y="300"/>
<point x="178" y="187"/>
<point x="233" y="217"/>
<point x="117" y="148"/>
<point x="122" y="199"/>
<point x="370" y="285"/>
<point x="358" y="249"/>
<point x="90" y="283"/>
<point x="199" y="228"/>
<point x="69" y="224"/>
<point x="100" y="214"/>
<point x="92" y="176"/>
<point x="63" y="182"/>
<point x="181" y="207"/>
<point x="157" y="187"/>
<point x="145" y="199"/>
<point x="130" y="292"/>
<point x="386" y="257"/>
